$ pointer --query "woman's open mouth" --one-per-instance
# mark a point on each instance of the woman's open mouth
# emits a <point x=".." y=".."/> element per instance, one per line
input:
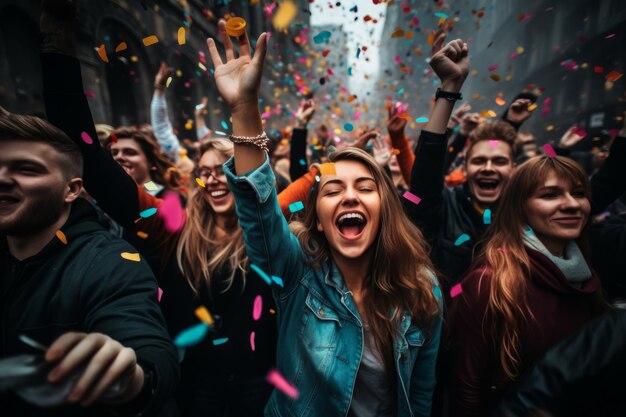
<point x="351" y="225"/>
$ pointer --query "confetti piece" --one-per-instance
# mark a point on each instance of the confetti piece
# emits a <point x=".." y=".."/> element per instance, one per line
<point x="272" y="311"/>
<point x="421" y="120"/>
<point x="159" y="294"/>
<point x="487" y="216"/>
<point x="494" y="143"/>
<point x="492" y="68"/>
<point x="235" y="26"/>
<point x="257" y="309"/>
<point x="297" y="206"/>
<point x="461" y="239"/>
<point x="321" y="37"/>
<point x="500" y="101"/>
<point x="456" y="291"/>
<point x="200" y="183"/>
<point x="411" y="197"/>
<point x="431" y="38"/>
<point x="202" y="66"/>
<point x="181" y="35"/>
<point x="61" y="236"/>
<point x="281" y="384"/>
<point x="252" y="344"/>
<point x="278" y="281"/>
<point x="122" y="46"/>
<point x="131" y="256"/>
<point x="285" y="14"/>
<point x="549" y="150"/>
<point x="148" y="212"/>
<point x="172" y="212"/>
<point x="150" y="186"/>
<point x="204" y="316"/>
<point x="86" y="138"/>
<point x="102" y="53"/>
<point x="495" y="77"/>
<point x="441" y="15"/>
<point x="220" y="341"/>
<point x="398" y="33"/>
<point x="191" y="335"/>
<point x="150" y="40"/>
<point x="348" y="127"/>
<point x="614" y="76"/>
<point x="141" y="234"/>
<point x="528" y="231"/>
<point x="168" y="82"/>
<point x="224" y="124"/>
<point x="262" y="274"/>
<point x="533" y="106"/>
<point x="328" y="168"/>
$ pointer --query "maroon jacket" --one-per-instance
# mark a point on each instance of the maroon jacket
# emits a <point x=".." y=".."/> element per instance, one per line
<point x="477" y="379"/>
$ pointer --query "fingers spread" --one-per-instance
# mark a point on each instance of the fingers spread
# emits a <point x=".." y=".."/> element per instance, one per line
<point x="228" y="44"/>
<point x="261" y="49"/>
<point x="213" y="52"/>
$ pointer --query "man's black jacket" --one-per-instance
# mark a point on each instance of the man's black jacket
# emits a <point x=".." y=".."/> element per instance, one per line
<point x="85" y="286"/>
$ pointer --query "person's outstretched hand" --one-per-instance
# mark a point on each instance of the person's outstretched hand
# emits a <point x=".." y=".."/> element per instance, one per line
<point x="161" y="76"/>
<point x="450" y="62"/>
<point x="365" y="136"/>
<point x="469" y="122"/>
<point x="305" y="113"/>
<point x="381" y="150"/>
<point x="456" y="117"/>
<point x="200" y="109"/>
<point x="570" y="138"/>
<point x="395" y="124"/>
<point x="239" y="79"/>
<point x="518" y="112"/>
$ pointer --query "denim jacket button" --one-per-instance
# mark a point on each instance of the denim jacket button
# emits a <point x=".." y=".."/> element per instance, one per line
<point x="321" y="312"/>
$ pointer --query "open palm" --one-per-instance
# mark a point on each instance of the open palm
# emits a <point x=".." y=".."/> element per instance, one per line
<point x="238" y="79"/>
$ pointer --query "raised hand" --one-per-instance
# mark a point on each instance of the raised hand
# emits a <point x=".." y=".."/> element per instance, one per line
<point x="382" y="151"/>
<point x="239" y="79"/>
<point x="450" y="62"/>
<point x="305" y="113"/>
<point x="364" y="137"/>
<point x="161" y="76"/>
<point x="200" y="109"/>
<point x="570" y="138"/>
<point x="395" y="124"/>
<point x="518" y="111"/>
<point x="469" y="122"/>
<point x="455" y="119"/>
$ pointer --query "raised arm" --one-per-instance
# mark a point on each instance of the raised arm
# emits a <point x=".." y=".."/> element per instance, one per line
<point x="201" y="128"/>
<point x="270" y="244"/>
<point x="396" y="125"/>
<point x="298" y="139"/>
<point x="159" y="119"/>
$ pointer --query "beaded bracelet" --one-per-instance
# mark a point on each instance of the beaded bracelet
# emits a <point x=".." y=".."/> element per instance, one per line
<point x="259" y="141"/>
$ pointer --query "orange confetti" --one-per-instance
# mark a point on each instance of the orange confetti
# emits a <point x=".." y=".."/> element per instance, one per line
<point x="181" y="36"/>
<point x="131" y="256"/>
<point x="500" y="101"/>
<point x="614" y="76"/>
<point x="398" y="33"/>
<point x="431" y="38"/>
<point x="203" y="314"/>
<point x="367" y="18"/>
<point x="141" y="234"/>
<point x="409" y="35"/>
<point x="272" y="311"/>
<point x="103" y="54"/>
<point x="533" y="107"/>
<point x="150" y="40"/>
<point x="61" y="236"/>
<point x="328" y="168"/>
<point x="122" y="46"/>
<point x="495" y="77"/>
<point x="395" y="151"/>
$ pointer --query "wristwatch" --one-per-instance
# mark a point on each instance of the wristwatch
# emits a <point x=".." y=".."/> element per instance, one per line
<point x="448" y="95"/>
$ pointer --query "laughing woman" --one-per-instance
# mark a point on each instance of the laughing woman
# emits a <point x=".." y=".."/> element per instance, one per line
<point x="359" y="318"/>
<point x="530" y="289"/>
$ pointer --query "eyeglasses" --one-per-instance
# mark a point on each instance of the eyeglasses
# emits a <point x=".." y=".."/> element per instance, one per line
<point x="205" y="172"/>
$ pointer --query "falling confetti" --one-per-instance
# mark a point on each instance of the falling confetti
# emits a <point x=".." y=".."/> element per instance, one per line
<point x="150" y="40"/>
<point x="142" y="235"/>
<point x="262" y="274"/>
<point x="102" y="53"/>
<point x="220" y="341"/>
<point x="494" y="143"/>
<point x="285" y="14"/>
<point x="86" y="138"/>
<point x="150" y="186"/>
<point x="456" y="290"/>
<point x="204" y="316"/>
<point x="411" y="197"/>
<point x="328" y="168"/>
<point x="172" y="212"/>
<point x="321" y="37"/>
<point x="421" y="120"/>
<point x="549" y="150"/>
<point x="61" y="236"/>
<point x="200" y="183"/>
<point x="168" y="82"/>
<point x="252" y="342"/>
<point x="276" y="379"/>
<point x="181" y="35"/>
<point x="159" y="294"/>
<point x="348" y="127"/>
<point x="192" y="335"/>
<point x="131" y="256"/>
<point x="257" y="309"/>
<point x="297" y="206"/>
<point x="148" y="212"/>
<point x="614" y="76"/>
<point x="461" y="239"/>
<point x="122" y="46"/>
<point x="235" y="26"/>
<point x="487" y="216"/>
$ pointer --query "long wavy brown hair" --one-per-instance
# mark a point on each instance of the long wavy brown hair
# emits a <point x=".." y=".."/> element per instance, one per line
<point x="506" y="260"/>
<point x="162" y="169"/>
<point x="200" y="253"/>
<point x="399" y="277"/>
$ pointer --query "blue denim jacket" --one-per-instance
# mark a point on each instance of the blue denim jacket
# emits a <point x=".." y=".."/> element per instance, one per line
<point x="320" y="333"/>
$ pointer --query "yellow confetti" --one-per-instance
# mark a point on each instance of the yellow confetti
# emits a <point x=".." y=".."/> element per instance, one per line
<point x="150" y="40"/>
<point x="202" y="67"/>
<point x="103" y="53"/>
<point x="285" y="14"/>
<point x="488" y="113"/>
<point x="328" y="168"/>
<point x="189" y="125"/>
<point x="549" y="128"/>
<point x="141" y="234"/>
<point x="181" y="35"/>
<point x="520" y="50"/>
<point x="61" y="236"/>
<point x="532" y="107"/>
<point x="200" y="183"/>
<point x="203" y="314"/>
<point x="131" y="256"/>
<point x="150" y="186"/>
<point x="121" y="47"/>
<point x="168" y="82"/>
<point x="134" y="58"/>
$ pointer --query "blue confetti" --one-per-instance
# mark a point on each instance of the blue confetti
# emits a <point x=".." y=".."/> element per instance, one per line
<point x="350" y="71"/>
<point x="224" y="124"/>
<point x="192" y="335"/>
<point x="422" y="120"/>
<point x="297" y="206"/>
<point x="442" y="15"/>
<point x="221" y="341"/>
<point x="528" y="231"/>
<point x="302" y="162"/>
<point x="278" y="281"/>
<point x="462" y="239"/>
<point x="348" y="127"/>
<point x="262" y="274"/>
<point x="487" y="216"/>
<point x="321" y="37"/>
<point x="400" y="91"/>
<point x="148" y="212"/>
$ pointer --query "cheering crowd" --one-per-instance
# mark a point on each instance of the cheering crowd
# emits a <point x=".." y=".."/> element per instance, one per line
<point x="467" y="273"/>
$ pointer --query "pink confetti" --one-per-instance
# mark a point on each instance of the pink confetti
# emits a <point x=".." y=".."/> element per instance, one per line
<point x="276" y="379"/>
<point x="411" y="197"/>
<point x="456" y="290"/>
<point x="493" y="67"/>
<point x="252" y="344"/>
<point x="612" y="35"/>
<point x="398" y="59"/>
<point x="494" y="143"/>
<point x="159" y="294"/>
<point x="258" y="307"/>
<point x="549" y="150"/>
<point x="357" y="115"/>
<point x="86" y="138"/>
<point x="265" y="115"/>
<point x="172" y="212"/>
<point x="90" y="94"/>
<point x="579" y="131"/>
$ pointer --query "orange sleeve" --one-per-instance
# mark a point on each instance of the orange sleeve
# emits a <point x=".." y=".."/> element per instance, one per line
<point x="405" y="157"/>
<point x="297" y="191"/>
